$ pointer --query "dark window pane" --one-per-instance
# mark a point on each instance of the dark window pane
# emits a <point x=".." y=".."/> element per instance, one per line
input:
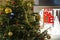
<point x="46" y="2"/>
<point x="57" y="2"/>
<point x="49" y="2"/>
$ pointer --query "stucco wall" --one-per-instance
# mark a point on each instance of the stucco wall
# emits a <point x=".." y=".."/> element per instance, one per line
<point x="38" y="8"/>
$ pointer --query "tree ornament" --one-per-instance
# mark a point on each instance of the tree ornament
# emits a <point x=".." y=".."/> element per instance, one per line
<point x="12" y="14"/>
<point x="13" y="2"/>
<point x="48" y="37"/>
<point x="8" y="10"/>
<point x="10" y="34"/>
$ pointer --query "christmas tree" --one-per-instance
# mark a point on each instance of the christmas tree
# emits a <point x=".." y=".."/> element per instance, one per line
<point x="19" y="22"/>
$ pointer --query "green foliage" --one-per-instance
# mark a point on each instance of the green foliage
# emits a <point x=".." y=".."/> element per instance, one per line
<point x="23" y="23"/>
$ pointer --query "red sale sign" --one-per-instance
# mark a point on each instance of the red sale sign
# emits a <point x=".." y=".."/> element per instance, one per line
<point x="48" y="17"/>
